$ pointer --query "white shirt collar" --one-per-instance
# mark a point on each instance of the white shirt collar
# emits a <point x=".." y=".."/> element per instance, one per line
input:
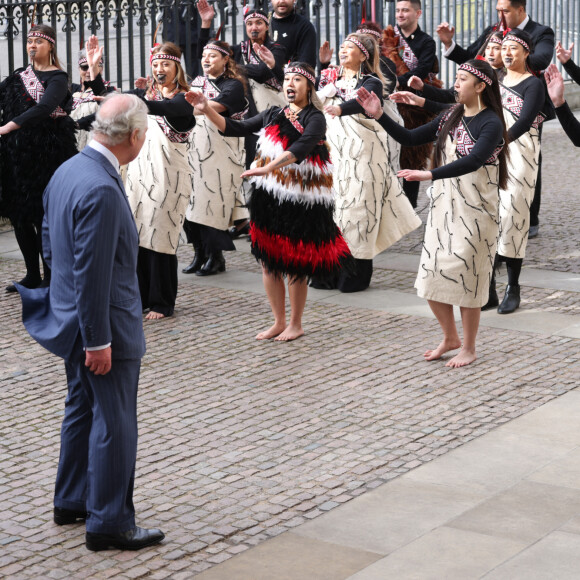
<point x="94" y="144"/>
<point x="524" y="22"/>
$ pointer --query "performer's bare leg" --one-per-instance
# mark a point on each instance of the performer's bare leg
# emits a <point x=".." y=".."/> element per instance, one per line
<point x="276" y="292"/>
<point x="470" y="319"/>
<point x="297" y="291"/>
<point x="451" y="341"/>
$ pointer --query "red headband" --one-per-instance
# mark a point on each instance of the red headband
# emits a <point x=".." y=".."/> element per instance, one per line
<point x="476" y="72"/>
<point x="212" y="46"/>
<point x="299" y="71"/>
<point x="358" y="43"/>
<point x="512" y="38"/>
<point x="378" y="35"/>
<point x="41" y="35"/>
<point x="161" y="56"/>
<point x="256" y="15"/>
<point x="83" y="60"/>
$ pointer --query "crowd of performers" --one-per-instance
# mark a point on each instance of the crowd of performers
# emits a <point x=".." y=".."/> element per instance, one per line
<point x="321" y="170"/>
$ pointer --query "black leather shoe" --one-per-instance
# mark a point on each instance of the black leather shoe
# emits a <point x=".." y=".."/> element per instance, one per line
<point x="492" y="301"/>
<point x="216" y="263"/>
<point x="195" y="265"/>
<point x="534" y="231"/>
<point x="26" y="282"/>
<point x="236" y="232"/>
<point x="134" y="539"/>
<point x="63" y="517"/>
<point x="511" y="300"/>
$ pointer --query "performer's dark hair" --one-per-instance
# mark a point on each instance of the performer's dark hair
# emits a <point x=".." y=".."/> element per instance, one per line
<point x="49" y="31"/>
<point x="491" y="98"/>
<point x="174" y="50"/>
<point x="529" y="41"/>
<point x="233" y="71"/>
<point x="415" y="3"/>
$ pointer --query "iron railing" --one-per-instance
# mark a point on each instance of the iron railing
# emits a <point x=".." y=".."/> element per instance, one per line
<point x="126" y="27"/>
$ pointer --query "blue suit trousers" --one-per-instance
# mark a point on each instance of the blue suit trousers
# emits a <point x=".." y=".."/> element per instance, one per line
<point x="99" y="444"/>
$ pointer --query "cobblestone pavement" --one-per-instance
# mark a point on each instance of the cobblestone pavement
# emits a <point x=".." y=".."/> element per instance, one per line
<point x="241" y="440"/>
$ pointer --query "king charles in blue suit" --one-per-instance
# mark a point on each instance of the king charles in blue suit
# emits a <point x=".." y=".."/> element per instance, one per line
<point x="91" y="317"/>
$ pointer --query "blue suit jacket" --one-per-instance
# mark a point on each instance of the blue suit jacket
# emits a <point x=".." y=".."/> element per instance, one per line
<point x="90" y="241"/>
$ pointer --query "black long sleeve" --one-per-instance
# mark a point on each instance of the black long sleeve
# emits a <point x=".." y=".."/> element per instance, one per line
<point x="310" y="118"/>
<point x="410" y="137"/>
<point x="372" y="85"/>
<point x="260" y="72"/>
<point x="487" y="128"/>
<point x="534" y="95"/>
<point x="55" y="94"/>
<point x="177" y="112"/>
<point x="99" y="87"/>
<point x="573" y="71"/>
<point x="440" y="95"/>
<point x="297" y="35"/>
<point x="435" y="107"/>
<point x="569" y="123"/>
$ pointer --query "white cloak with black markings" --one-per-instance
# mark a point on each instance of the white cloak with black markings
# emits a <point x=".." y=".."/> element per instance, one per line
<point x="460" y="235"/>
<point x="265" y="96"/>
<point x="372" y="210"/>
<point x="84" y="109"/>
<point x="158" y="184"/>
<point x="515" y="201"/>
<point x="217" y="198"/>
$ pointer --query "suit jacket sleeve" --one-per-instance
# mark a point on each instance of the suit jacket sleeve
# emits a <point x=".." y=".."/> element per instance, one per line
<point x="461" y="55"/>
<point x="95" y="235"/>
<point x="544" y="44"/>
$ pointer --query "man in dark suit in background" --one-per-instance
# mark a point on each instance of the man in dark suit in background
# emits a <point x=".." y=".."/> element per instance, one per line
<point x="91" y="316"/>
<point x="543" y="37"/>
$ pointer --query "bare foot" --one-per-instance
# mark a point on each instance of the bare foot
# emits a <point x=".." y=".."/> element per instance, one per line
<point x="154" y="315"/>
<point x="273" y="331"/>
<point x="445" y="346"/>
<point x="291" y="333"/>
<point x="462" y="358"/>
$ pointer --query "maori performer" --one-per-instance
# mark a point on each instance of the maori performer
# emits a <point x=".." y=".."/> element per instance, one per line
<point x="159" y="180"/>
<point x="216" y="201"/>
<point x="523" y="98"/>
<point x="85" y="104"/>
<point x="413" y="51"/>
<point x="292" y="229"/>
<point x="371" y="209"/>
<point x="38" y="135"/>
<point x="462" y="226"/>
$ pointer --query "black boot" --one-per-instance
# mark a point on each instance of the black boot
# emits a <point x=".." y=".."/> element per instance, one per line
<point x="215" y="263"/>
<point x="493" y="299"/>
<point x="511" y="300"/>
<point x="199" y="259"/>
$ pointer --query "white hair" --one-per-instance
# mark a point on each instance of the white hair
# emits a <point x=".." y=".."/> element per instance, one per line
<point x="118" y="116"/>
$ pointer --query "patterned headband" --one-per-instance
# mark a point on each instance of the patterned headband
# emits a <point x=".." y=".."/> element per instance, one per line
<point x="297" y="70"/>
<point x="474" y="71"/>
<point x="216" y="47"/>
<point x="512" y="38"/>
<point x="495" y="40"/>
<point x="374" y="33"/>
<point x="256" y="15"/>
<point x="358" y="43"/>
<point x="41" y="35"/>
<point x="161" y="56"/>
<point x="83" y="60"/>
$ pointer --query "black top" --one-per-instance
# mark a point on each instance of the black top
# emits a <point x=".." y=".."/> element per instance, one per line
<point x="543" y="37"/>
<point x="569" y="123"/>
<point x="297" y="35"/>
<point x="486" y="129"/>
<point x="310" y="118"/>
<point x="573" y="70"/>
<point x="169" y="26"/>
<point x="258" y="72"/>
<point x="232" y="95"/>
<point x="56" y="93"/>
<point x="177" y="111"/>
<point x="533" y="92"/>
<point x="423" y="46"/>
<point x="97" y="85"/>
